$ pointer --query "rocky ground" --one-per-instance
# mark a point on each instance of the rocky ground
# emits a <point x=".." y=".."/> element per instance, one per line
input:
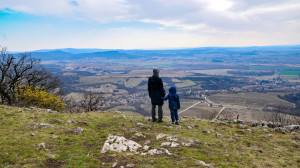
<point x="31" y="137"/>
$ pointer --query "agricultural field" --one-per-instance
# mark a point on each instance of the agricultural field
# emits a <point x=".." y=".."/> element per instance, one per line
<point x="252" y="99"/>
<point x="213" y="71"/>
<point x="185" y="83"/>
<point x="279" y="68"/>
<point x="133" y="82"/>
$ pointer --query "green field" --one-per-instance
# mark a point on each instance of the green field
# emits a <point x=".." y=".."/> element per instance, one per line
<point x="289" y="72"/>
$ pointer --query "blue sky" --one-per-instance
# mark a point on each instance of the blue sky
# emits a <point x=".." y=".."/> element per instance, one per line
<point x="147" y="24"/>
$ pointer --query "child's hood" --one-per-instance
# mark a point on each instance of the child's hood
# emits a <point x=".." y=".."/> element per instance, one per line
<point x="172" y="90"/>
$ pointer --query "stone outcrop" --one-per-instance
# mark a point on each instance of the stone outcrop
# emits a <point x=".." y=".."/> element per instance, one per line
<point x="119" y="144"/>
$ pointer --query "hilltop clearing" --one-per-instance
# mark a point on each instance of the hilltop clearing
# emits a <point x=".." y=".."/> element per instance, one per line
<point x="31" y="137"/>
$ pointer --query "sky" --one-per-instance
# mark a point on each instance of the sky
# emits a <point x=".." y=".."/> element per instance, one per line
<point x="27" y="25"/>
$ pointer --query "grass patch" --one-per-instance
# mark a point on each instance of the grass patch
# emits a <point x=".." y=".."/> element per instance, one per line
<point x="232" y="149"/>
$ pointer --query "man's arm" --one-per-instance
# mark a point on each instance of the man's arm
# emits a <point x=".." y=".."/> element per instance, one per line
<point x="165" y="98"/>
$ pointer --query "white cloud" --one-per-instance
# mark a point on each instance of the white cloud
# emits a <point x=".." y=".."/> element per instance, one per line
<point x="197" y="22"/>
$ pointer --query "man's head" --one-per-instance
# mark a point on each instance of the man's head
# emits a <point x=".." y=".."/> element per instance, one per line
<point x="155" y="72"/>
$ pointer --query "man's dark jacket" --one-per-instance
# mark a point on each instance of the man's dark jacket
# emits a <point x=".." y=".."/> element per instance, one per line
<point x="156" y="90"/>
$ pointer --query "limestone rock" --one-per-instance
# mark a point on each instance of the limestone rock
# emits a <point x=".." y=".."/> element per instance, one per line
<point x="42" y="146"/>
<point x="78" y="130"/>
<point x="147" y="142"/>
<point x="159" y="136"/>
<point x="56" y="121"/>
<point x="71" y="121"/>
<point x="139" y="135"/>
<point x="294" y="133"/>
<point x="51" y="155"/>
<point x="44" y="125"/>
<point x="241" y="126"/>
<point x="119" y="144"/>
<point x="292" y="127"/>
<point x="114" y="164"/>
<point x="296" y="138"/>
<point x="140" y="124"/>
<point x="146" y="147"/>
<point x="130" y="165"/>
<point x="187" y="142"/>
<point x="166" y="144"/>
<point x="203" y="163"/>
<point x="83" y="122"/>
<point x="280" y="130"/>
<point x="206" y="132"/>
<point x="265" y="130"/>
<point x="159" y="151"/>
<point x="218" y="135"/>
<point x="172" y="138"/>
<point x="174" y="144"/>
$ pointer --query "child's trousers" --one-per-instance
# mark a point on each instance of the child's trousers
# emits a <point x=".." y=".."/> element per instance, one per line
<point x="174" y="115"/>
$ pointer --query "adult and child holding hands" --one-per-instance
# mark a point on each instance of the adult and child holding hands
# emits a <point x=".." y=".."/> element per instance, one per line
<point x="158" y="96"/>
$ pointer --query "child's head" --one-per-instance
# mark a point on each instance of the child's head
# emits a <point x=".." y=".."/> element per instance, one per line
<point x="172" y="89"/>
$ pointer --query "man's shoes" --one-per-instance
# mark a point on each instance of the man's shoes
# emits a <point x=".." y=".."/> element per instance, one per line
<point x="176" y="123"/>
<point x="160" y="121"/>
<point x="154" y="120"/>
<point x="173" y="123"/>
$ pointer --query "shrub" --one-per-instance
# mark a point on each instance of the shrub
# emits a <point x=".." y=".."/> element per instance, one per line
<point x="35" y="96"/>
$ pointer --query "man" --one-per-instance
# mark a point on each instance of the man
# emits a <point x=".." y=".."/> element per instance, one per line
<point x="156" y="92"/>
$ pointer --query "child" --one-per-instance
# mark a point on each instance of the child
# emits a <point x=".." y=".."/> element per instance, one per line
<point x="174" y="103"/>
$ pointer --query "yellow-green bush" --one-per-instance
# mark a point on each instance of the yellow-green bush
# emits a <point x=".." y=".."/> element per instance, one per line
<point x="35" y="96"/>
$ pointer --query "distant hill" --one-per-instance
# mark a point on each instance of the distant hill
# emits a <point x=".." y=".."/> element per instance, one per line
<point x="262" y="55"/>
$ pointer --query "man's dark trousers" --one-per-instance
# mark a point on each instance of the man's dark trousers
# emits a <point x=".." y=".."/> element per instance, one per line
<point x="160" y="112"/>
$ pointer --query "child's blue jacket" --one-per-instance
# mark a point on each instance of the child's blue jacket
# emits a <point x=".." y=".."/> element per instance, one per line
<point x="174" y="102"/>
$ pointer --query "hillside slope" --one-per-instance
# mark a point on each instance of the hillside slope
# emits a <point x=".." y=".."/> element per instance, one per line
<point x="37" y="138"/>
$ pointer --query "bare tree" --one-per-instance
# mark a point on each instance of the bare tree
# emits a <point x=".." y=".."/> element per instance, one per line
<point x="279" y="116"/>
<point x="93" y="101"/>
<point x="19" y="71"/>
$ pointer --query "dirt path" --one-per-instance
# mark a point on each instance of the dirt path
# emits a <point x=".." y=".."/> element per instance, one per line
<point x="219" y="113"/>
<point x="189" y="107"/>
